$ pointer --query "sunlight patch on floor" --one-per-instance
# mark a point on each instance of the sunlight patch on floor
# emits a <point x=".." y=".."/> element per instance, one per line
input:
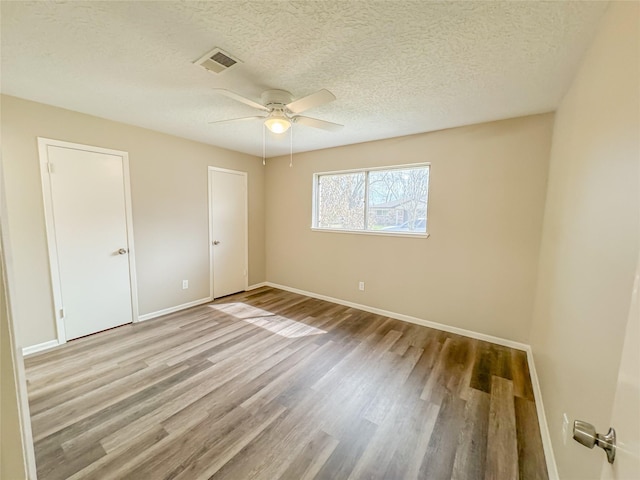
<point x="285" y="327"/>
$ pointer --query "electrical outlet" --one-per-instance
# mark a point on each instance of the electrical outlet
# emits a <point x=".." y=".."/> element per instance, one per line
<point x="185" y="284"/>
<point x="361" y="286"/>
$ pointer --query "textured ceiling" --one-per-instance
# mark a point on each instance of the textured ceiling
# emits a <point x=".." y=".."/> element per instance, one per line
<point x="396" y="67"/>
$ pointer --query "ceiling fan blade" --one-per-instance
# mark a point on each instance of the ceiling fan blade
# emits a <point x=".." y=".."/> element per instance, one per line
<point x="238" y="119"/>
<point x="317" y="123"/>
<point x="240" y="98"/>
<point x="314" y="100"/>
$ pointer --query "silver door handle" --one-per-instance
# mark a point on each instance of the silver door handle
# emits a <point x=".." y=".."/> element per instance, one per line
<point x="585" y="434"/>
<point x="122" y="251"/>
<point x="216" y="242"/>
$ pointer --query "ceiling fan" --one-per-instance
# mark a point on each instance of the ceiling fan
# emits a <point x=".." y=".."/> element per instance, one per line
<point x="281" y="110"/>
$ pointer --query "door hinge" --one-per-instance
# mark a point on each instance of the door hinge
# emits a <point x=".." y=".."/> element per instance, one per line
<point x="62" y="313"/>
<point x="50" y="167"/>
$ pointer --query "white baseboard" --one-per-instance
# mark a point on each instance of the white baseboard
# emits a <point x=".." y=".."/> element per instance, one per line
<point x="542" y="419"/>
<point x="256" y="285"/>
<point x="41" y="347"/>
<point x="177" y="308"/>
<point x="407" y="318"/>
<point x="550" y="458"/>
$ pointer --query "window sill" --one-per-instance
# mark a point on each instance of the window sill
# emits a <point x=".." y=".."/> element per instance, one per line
<point x="373" y="232"/>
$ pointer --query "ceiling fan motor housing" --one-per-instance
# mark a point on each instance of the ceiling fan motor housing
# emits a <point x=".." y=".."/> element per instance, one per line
<point x="276" y="98"/>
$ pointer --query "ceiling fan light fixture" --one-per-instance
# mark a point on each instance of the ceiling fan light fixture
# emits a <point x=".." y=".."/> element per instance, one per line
<point x="277" y="124"/>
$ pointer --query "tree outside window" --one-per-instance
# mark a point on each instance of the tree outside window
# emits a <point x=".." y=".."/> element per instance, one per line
<point x="389" y="200"/>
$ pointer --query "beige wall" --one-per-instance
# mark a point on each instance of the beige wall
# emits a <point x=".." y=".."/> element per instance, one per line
<point x="169" y="198"/>
<point x="477" y="270"/>
<point x="590" y="240"/>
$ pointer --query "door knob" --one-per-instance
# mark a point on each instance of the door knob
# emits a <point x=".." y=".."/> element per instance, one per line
<point x="585" y="434"/>
<point x="122" y="251"/>
<point x="216" y="242"/>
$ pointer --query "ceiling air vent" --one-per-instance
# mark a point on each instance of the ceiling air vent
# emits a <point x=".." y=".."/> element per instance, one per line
<point x="217" y="61"/>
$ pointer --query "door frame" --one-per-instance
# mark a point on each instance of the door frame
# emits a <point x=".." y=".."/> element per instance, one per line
<point x="54" y="265"/>
<point x="18" y="372"/>
<point x="210" y="170"/>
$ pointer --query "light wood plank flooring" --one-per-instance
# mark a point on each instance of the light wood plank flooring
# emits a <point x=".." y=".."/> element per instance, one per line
<point x="268" y="384"/>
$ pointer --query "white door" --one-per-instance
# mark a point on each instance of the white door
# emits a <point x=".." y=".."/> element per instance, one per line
<point x="228" y="221"/>
<point x="89" y="229"/>
<point x="625" y="418"/>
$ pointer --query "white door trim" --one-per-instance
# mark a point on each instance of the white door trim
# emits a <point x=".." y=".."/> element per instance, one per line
<point x="19" y="374"/>
<point x="54" y="266"/>
<point x="246" y="224"/>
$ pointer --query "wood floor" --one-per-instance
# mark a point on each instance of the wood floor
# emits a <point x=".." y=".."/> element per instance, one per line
<point x="268" y="384"/>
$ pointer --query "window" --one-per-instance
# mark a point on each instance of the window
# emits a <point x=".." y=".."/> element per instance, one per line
<point x="381" y="200"/>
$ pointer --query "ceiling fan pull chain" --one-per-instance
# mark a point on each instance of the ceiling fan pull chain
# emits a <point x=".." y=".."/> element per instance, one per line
<point x="291" y="147"/>
<point x="264" y="162"/>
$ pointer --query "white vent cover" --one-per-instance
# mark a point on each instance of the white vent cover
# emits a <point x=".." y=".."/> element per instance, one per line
<point x="217" y="61"/>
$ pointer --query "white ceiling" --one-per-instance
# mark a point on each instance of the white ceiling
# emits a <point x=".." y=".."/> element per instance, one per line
<point x="397" y="67"/>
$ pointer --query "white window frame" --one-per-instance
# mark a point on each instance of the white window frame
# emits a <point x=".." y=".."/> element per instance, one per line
<point x="314" y="206"/>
